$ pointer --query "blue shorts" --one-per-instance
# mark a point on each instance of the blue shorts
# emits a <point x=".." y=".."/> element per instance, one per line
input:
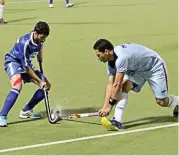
<point x="13" y="68"/>
<point x="157" y="80"/>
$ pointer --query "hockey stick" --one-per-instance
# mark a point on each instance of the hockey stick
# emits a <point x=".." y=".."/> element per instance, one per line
<point x="75" y="116"/>
<point x="56" y="117"/>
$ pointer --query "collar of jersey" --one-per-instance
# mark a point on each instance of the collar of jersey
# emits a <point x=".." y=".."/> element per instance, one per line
<point x="112" y="63"/>
<point x="31" y="38"/>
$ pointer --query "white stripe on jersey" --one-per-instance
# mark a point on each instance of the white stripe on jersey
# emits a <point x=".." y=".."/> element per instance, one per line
<point x="11" y="68"/>
<point x="25" y="50"/>
<point x="31" y="38"/>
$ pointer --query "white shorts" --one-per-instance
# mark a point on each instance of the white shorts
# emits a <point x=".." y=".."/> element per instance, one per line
<point x="157" y="80"/>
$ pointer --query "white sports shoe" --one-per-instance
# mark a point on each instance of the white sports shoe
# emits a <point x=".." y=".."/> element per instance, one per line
<point x="51" y="5"/>
<point x="69" y="5"/>
<point x="29" y="114"/>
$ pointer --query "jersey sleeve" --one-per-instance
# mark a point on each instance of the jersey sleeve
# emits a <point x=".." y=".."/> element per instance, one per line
<point x="121" y="64"/>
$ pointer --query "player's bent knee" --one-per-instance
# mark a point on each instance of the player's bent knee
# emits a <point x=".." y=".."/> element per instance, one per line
<point x="127" y="86"/>
<point x="162" y="102"/>
<point x="19" y="87"/>
<point x="17" y="83"/>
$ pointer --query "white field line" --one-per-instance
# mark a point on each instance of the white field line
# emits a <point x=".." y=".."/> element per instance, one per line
<point x="86" y="138"/>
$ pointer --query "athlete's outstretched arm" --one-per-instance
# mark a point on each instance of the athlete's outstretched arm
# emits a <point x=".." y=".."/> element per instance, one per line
<point x="106" y="108"/>
<point x="26" y="61"/>
<point x="32" y="74"/>
<point x="116" y="88"/>
<point x="40" y="55"/>
<point x="108" y="90"/>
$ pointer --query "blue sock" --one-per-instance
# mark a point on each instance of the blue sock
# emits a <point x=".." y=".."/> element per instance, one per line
<point x="9" y="102"/>
<point x="51" y="1"/>
<point x="37" y="97"/>
<point x="67" y="1"/>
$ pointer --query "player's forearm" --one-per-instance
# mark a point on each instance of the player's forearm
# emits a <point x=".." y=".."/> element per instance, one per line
<point x="40" y="56"/>
<point x="32" y="74"/>
<point x="116" y="88"/>
<point x="39" y="59"/>
<point x="115" y="91"/>
<point x="108" y="95"/>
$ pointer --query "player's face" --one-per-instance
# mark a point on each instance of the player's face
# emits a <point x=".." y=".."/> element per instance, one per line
<point x="104" y="56"/>
<point x="39" y="38"/>
<point x="42" y="38"/>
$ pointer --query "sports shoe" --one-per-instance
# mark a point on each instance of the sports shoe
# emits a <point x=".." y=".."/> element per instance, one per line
<point x="3" y="21"/>
<point x="112" y="125"/>
<point x="3" y="121"/>
<point x="51" y="5"/>
<point x="175" y="111"/>
<point x="29" y="114"/>
<point x="69" y="5"/>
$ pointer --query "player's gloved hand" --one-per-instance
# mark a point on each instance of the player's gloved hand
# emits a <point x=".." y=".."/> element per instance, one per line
<point x="42" y="84"/>
<point x="105" y="111"/>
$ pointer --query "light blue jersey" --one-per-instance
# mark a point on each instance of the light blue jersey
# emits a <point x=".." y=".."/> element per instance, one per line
<point x="140" y="64"/>
<point x="21" y="55"/>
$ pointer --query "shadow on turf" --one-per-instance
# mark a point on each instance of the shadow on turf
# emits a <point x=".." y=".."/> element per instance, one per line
<point x="23" y="121"/>
<point x="63" y="112"/>
<point x="85" y="122"/>
<point x="149" y="120"/>
<point x="126" y="125"/>
<point x="66" y="112"/>
<point x="21" y="19"/>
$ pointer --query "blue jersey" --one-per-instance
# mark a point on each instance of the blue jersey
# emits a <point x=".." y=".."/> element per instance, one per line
<point x="24" y="50"/>
<point x="21" y="55"/>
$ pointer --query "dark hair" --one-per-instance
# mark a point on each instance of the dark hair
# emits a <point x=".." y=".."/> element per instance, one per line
<point x="103" y="44"/>
<point x="42" y="28"/>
